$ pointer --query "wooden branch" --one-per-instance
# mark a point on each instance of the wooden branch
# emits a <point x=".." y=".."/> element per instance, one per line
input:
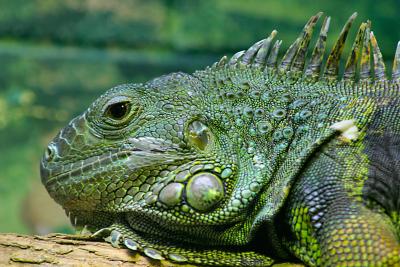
<point x="66" y="250"/>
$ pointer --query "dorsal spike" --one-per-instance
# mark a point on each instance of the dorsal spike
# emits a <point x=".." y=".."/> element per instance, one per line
<point x="299" y="60"/>
<point x="332" y="65"/>
<point x="314" y="66"/>
<point x="290" y="54"/>
<point x="365" y="63"/>
<point x="379" y="65"/>
<point x="352" y="61"/>
<point x="271" y="61"/>
<point x="261" y="56"/>
<point x="396" y="64"/>
<point x="249" y="55"/>
<point x="222" y="61"/>
<point x="234" y="59"/>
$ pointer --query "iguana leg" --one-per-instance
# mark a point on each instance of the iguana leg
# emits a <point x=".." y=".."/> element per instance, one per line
<point x="358" y="236"/>
<point x="120" y="234"/>
<point x="330" y="222"/>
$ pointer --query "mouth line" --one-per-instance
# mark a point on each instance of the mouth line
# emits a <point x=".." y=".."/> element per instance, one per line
<point x="90" y="164"/>
<point x="139" y="147"/>
<point x="96" y="162"/>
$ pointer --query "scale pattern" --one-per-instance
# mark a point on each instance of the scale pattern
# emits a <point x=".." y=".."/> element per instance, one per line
<point x="252" y="161"/>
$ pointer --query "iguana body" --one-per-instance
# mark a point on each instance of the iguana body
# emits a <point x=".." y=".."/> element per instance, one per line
<point x="245" y="163"/>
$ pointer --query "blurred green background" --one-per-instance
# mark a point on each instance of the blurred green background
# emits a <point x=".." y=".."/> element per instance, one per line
<point x="56" y="57"/>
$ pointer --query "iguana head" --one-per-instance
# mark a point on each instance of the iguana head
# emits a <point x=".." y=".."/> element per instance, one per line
<point x="143" y="147"/>
<point x="157" y="156"/>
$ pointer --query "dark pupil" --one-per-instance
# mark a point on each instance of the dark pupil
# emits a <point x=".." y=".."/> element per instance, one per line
<point x="118" y="110"/>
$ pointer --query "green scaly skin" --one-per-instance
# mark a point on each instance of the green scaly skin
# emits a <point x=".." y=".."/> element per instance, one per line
<point x="245" y="163"/>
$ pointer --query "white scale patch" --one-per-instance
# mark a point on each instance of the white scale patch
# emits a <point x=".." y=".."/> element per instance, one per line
<point x="348" y="129"/>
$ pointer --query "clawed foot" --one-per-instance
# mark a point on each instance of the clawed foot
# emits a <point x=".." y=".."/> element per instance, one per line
<point x="120" y="235"/>
<point x="116" y="237"/>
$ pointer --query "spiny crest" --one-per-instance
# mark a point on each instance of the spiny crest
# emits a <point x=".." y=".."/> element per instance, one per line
<point x="264" y="55"/>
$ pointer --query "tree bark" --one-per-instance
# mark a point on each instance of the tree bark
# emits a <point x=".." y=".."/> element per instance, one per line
<point x="67" y="250"/>
<point x="64" y="250"/>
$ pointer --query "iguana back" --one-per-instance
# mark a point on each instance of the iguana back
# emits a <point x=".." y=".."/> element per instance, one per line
<point x="246" y="162"/>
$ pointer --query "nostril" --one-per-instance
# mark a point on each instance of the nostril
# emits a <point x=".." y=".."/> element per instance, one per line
<point x="49" y="153"/>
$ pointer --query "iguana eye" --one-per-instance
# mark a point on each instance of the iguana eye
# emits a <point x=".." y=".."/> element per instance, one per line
<point x="199" y="134"/>
<point x="118" y="111"/>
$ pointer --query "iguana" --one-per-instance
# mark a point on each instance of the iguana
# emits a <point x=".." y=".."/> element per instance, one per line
<point x="251" y="161"/>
